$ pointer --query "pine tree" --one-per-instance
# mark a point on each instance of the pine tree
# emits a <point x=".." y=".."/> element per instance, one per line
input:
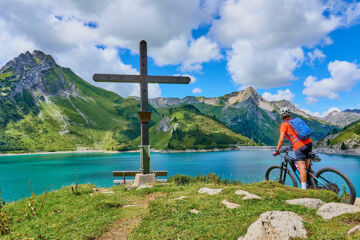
<point x="343" y="146"/>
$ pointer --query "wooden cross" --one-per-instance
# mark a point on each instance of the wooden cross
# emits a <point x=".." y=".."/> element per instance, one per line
<point x="144" y="114"/>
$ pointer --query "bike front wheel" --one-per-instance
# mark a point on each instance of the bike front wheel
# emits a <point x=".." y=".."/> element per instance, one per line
<point x="334" y="180"/>
<point x="273" y="174"/>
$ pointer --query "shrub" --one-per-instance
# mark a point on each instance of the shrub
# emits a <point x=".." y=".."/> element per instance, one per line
<point x="343" y="146"/>
<point x="180" y="179"/>
<point x="4" y="219"/>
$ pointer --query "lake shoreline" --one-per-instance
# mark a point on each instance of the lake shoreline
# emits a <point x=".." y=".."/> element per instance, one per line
<point x="329" y="151"/>
<point x="242" y="148"/>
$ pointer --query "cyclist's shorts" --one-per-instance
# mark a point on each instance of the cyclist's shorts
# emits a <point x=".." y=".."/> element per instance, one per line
<point x="303" y="153"/>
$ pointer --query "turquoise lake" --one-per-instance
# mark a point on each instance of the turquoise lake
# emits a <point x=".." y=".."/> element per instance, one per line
<point x="52" y="171"/>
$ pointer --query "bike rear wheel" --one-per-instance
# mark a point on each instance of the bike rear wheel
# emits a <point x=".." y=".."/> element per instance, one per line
<point x="273" y="174"/>
<point x="334" y="180"/>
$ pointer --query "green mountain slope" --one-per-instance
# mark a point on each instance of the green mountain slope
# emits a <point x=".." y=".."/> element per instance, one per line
<point x="348" y="139"/>
<point x="247" y="113"/>
<point x="45" y="107"/>
<point x="185" y="127"/>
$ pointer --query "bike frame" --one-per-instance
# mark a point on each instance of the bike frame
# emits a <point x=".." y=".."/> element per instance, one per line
<point x="288" y="160"/>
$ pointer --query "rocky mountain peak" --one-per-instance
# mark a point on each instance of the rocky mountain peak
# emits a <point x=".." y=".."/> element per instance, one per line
<point x="34" y="71"/>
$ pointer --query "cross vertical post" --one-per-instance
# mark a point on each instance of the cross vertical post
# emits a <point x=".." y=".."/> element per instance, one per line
<point x="144" y="115"/>
<point x="145" y="147"/>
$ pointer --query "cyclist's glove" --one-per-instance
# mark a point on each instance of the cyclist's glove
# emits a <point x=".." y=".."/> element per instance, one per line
<point x="276" y="153"/>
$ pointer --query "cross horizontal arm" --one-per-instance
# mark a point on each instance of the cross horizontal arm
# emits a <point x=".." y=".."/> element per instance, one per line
<point x="139" y="78"/>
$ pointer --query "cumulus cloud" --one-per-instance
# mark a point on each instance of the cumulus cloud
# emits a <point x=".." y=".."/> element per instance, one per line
<point x="197" y="90"/>
<point x="266" y="44"/>
<point x="314" y="55"/>
<point x="343" y="76"/>
<point x="323" y="114"/>
<point x="280" y="95"/>
<point x="61" y="28"/>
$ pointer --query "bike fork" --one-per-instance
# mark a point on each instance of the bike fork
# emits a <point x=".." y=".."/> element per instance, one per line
<point x="283" y="172"/>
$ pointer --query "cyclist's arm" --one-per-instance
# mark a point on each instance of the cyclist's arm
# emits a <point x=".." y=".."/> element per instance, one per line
<point x="281" y="141"/>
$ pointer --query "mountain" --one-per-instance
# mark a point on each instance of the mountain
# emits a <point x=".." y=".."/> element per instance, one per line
<point x="185" y="127"/>
<point x="345" y="141"/>
<point x="247" y="113"/>
<point x="352" y="110"/>
<point x="45" y="107"/>
<point x="343" y="118"/>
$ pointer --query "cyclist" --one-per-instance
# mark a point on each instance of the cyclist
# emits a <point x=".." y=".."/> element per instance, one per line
<point x="301" y="148"/>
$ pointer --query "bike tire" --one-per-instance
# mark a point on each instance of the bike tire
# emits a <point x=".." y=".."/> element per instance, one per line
<point x="274" y="168"/>
<point x="351" y="187"/>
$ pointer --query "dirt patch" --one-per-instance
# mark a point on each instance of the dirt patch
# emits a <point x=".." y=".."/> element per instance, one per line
<point x="351" y="220"/>
<point x="123" y="226"/>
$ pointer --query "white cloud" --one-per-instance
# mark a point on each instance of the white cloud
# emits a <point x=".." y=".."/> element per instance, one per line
<point x="249" y="66"/>
<point x="197" y="90"/>
<point x="323" y="114"/>
<point x="58" y="28"/>
<point x="316" y="54"/>
<point x="280" y="95"/>
<point x="266" y="37"/>
<point x="343" y="76"/>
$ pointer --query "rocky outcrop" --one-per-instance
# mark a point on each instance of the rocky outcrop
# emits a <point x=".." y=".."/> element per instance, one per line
<point x="306" y="202"/>
<point x="343" y="118"/>
<point x="331" y="210"/>
<point x="210" y="191"/>
<point x="354" y="229"/>
<point x="276" y="225"/>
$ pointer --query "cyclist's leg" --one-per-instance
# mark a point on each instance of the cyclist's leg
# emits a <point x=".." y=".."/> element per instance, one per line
<point x="302" y="171"/>
<point x="300" y="155"/>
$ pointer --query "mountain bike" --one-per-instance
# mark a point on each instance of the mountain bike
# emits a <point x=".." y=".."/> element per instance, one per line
<point x="326" y="178"/>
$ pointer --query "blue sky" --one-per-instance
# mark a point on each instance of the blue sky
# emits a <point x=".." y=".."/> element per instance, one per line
<point x="305" y="51"/>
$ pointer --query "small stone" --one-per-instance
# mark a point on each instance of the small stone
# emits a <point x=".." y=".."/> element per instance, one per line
<point x="306" y="202"/>
<point x="107" y="192"/>
<point x="180" y="198"/>
<point x="330" y="210"/>
<point x="144" y="186"/>
<point x="276" y="225"/>
<point x="230" y="204"/>
<point x="194" y="211"/>
<point x="247" y="195"/>
<point x="128" y="205"/>
<point x="354" y="229"/>
<point x="210" y="191"/>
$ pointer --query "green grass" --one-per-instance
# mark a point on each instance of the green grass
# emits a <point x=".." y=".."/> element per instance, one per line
<point x="63" y="215"/>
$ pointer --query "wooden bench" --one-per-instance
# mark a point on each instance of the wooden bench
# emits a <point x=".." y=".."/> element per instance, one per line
<point x="125" y="174"/>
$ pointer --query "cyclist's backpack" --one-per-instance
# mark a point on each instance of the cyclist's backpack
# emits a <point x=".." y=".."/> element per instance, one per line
<point x="302" y="130"/>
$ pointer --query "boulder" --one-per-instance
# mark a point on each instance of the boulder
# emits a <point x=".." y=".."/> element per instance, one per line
<point x="247" y="195"/>
<point x="330" y="210"/>
<point x="230" y="204"/>
<point x="357" y="202"/>
<point x="354" y="229"/>
<point x="276" y="225"/>
<point x="306" y="202"/>
<point x="210" y="191"/>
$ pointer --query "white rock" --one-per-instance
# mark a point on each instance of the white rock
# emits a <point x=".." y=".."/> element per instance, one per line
<point x="230" y="204"/>
<point x="330" y="210"/>
<point x="276" y="225"/>
<point x="247" y="195"/>
<point x="357" y="202"/>
<point x="354" y="229"/>
<point x="306" y="202"/>
<point x="194" y="211"/>
<point x="210" y="191"/>
<point x="129" y="205"/>
<point x="180" y="198"/>
<point x="143" y="186"/>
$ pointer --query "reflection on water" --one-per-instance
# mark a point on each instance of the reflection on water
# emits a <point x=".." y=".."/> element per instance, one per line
<point x="53" y="171"/>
